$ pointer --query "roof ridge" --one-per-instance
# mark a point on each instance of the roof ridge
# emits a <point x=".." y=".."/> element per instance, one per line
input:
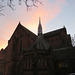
<point x="40" y="44"/>
<point x="28" y="30"/>
<point x="56" y="30"/>
<point x="32" y="35"/>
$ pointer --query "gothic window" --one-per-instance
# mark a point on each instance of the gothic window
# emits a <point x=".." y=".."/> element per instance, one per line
<point x="45" y="61"/>
<point x="42" y="62"/>
<point x="28" y="63"/>
<point x="25" y="64"/>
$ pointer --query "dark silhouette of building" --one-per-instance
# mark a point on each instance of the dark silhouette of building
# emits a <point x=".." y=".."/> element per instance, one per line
<point x="43" y="54"/>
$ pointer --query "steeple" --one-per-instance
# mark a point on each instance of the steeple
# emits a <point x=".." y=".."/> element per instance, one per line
<point x="40" y="43"/>
<point x="39" y="28"/>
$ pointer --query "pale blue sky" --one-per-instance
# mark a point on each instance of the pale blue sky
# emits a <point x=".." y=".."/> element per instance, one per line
<point x="65" y="18"/>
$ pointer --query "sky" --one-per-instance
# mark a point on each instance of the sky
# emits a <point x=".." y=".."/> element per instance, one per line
<point x="55" y="14"/>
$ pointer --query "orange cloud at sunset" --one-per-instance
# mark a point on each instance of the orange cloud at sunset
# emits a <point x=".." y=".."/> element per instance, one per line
<point x="48" y="11"/>
<point x="2" y="43"/>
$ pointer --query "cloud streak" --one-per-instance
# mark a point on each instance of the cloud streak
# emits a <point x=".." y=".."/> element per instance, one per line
<point x="48" y="11"/>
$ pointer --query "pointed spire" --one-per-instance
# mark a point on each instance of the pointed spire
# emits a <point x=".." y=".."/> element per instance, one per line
<point x="39" y="27"/>
<point x="39" y="21"/>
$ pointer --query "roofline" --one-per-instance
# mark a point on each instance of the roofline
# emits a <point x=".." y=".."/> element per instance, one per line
<point x="23" y="30"/>
<point x="56" y="31"/>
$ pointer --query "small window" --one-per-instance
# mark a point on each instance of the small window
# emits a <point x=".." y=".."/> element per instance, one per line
<point x="61" y="65"/>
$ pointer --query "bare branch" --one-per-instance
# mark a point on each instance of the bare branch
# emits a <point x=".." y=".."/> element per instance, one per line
<point x="73" y="40"/>
<point x="10" y="4"/>
<point x="28" y="3"/>
<point x="34" y="3"/>
<point x="20" y="2"/>
<point x="1" y="6"/>
<point x="1" y="14"/>
<point x="1" y="9"/>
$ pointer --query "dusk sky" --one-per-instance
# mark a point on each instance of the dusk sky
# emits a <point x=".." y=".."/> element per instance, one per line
<point x="54" y="15"/>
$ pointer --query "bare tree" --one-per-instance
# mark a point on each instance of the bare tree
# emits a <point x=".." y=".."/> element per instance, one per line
<point x="11" y="5"/>
<point x="73" y="40"/>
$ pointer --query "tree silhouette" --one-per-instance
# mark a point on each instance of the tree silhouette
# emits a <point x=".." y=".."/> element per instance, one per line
<point x="73" y="40"/>
<point x="1" y="9"/>
<point x="28" y="3"/>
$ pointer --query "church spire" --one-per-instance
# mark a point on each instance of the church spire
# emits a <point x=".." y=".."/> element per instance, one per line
<point x="39" y="27"/>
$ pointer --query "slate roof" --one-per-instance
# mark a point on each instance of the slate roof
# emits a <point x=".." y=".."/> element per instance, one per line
<point x="55" y="32"/>
<point x="40" y="44"/>
<point x="28" y="32"/>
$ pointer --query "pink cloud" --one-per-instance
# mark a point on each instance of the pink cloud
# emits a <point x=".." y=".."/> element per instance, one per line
<point x="48" y="11"/>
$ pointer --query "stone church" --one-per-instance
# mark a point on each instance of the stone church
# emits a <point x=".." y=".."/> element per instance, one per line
<point x="43" y="54"/>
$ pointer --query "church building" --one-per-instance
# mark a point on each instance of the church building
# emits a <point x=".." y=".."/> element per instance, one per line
<point x="43" y="54"/>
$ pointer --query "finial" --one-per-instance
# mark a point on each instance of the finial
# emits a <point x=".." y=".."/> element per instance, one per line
<point x="19" y="23"/>
<point x="63" y="26"/>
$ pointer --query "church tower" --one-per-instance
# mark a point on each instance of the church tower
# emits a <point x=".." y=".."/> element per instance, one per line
<point x="39" y="28"/>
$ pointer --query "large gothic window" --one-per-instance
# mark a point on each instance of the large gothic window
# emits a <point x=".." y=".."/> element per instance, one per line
<point x="28" y="63"/>
<point x="42" y="62"/>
